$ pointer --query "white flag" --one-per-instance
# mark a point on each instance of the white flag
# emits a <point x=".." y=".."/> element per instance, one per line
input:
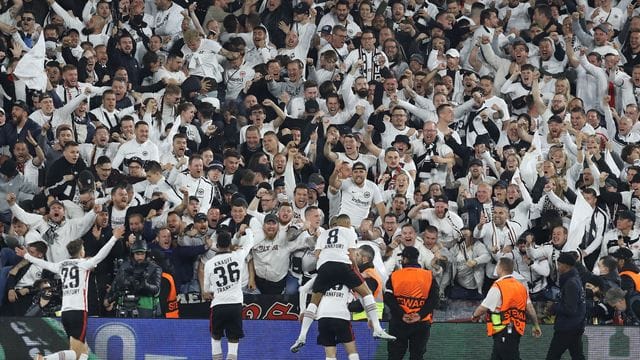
<point x="30" y="69"/>
<point x="580" y="219"/>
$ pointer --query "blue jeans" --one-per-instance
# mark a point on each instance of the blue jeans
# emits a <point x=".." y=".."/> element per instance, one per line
<point x="292" y="285"/>
<point x="4" y="275"/>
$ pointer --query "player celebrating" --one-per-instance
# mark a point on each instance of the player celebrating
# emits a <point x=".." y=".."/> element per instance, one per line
<point x="334" y="325"/>
<point x="335" y="250"/>
<point x="74" y="273"/>
<point x="223" y="281"/>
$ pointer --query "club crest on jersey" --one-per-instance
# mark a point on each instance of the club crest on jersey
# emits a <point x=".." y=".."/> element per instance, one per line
<point x="200" y="192"/>
<point x="145" y="153"/>
<point x="367" y="194"/>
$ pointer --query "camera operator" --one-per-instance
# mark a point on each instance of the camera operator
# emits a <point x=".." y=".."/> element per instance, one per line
<point x="47" y="302"/>
<point x="136" y="286"/>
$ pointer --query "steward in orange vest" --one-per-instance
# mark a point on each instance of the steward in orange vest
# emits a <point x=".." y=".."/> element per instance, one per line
<point x="506" y="307"/>
<point x="170" y="308"/>
<point x="411" y="295"/>
<point x="629" y="272"/>
<point x="371" y="276"/>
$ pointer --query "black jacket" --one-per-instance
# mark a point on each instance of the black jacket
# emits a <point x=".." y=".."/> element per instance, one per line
<point x="570" y="310"/>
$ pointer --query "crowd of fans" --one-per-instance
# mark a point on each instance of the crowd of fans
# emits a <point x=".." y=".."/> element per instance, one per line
<point x="471" y="130"/>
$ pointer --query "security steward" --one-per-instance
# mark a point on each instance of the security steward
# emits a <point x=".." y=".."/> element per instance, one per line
<point x="364" y="260"/>
<point x="505" y="307"/>
<point x="629" y="272"/>
<point x="411" y="295"/>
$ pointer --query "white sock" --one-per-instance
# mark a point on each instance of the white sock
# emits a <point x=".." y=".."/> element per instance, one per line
<point x="307" y="320"/>
<point x="233" y="348"/>
<point x="372" y="311"/>
<point x="83" y="357"/>
<point x="354" y="356"/>
<point x="328" y="358"/>
<point x="62" y="355"/>
<point x="216" y="349"/>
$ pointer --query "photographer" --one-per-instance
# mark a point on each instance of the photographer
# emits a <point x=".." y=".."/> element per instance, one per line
<point x="136" y="286"/>
<point x="47" y="301"/>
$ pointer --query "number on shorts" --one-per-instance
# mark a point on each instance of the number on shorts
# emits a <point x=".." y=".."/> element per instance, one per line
<point x="230" y="273"/>
<point x="70" y="277"/>
<point x="333" y="237"/>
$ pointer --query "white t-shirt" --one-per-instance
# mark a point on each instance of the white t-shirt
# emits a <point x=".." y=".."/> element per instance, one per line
<point x="334" y="245"/>
<point x="357" y="201"/>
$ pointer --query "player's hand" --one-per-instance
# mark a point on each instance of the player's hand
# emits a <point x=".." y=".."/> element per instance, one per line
<point x="206" y="296"/>
<point x="536" y="331"/>
<point x="406" y="318"/>
<point x="108" y="305"/>
<point x="20" y="251"/>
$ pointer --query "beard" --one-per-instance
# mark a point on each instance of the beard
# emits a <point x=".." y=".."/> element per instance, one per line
<point x="362" y="93"/>
<point x="558" y="111"/>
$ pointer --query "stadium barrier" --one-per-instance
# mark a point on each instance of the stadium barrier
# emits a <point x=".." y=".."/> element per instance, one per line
<point x="155" y="339"/>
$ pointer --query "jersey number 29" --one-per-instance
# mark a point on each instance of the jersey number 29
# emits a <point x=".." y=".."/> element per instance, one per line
<point x="70" y="277"/>
<point x="230" y="273"/>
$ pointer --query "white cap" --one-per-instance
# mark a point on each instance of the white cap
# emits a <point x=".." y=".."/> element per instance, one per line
<point x="213" y="101"/>
<point x="453" y="53"/>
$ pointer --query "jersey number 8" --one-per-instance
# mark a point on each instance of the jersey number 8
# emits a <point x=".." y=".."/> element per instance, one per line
<point x="230" y="273"/>
<point x="332" y="237"/>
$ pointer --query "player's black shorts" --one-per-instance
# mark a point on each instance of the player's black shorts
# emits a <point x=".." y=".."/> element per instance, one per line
<point x="226" y="320"/>
<point x="333" y="331"/>
<point x="75" y="324"/>
<point x="334" y="273"/>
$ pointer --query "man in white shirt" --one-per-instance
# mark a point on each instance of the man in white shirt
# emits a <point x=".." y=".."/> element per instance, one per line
<point x="358" y="194"/>
<point x="198" y="185"/>
<point x="168" y="21"/>
<point x="341" y="17"/>
<point x="499" y="235"/>
<point x="373" y="59"/>
<point x="449" y="224"/>
<point x="201" y="56"/>
<point x="139" y="146"/>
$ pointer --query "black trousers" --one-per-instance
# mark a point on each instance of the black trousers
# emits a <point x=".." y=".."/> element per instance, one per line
<point x="267" y="287"/>
<point x="413" y="336"/>
<point x="506" y="346"/>
<point x="563" y="340"/>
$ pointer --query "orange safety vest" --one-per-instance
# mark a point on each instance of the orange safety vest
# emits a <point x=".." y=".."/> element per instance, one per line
<point x="373" y="274"/>
<point x="172" y="299"/>
<point x="513" y="307"/>
<point x="411" y="287"/>
<point x="634" y="276"/>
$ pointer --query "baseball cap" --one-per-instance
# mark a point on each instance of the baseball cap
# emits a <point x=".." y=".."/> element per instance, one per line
<point x="501" y="184"/>
<point x="359" y="166"/>
<point x="453" y="53"/>
<point x="417" y="57"/>
<point x="21" y="104"/>
<point x="567" y="258"/>
<point x="200" y="217"/>
<point x="135" y="159"/>
<point x="476" y="162"/>
<point x="441" y="199"/>
<point x="326" y="29"/>
<point x="311" y="106"/>
<point x="602" y="27"/>
<point x="231" y="188"/>
<point x="316" y="179"/>
<point x="611" y="182"/>
<point x="626" y="215"/>
<point x="301" y="8"/>
<point x="401" y="139"/>
<point x="270" y="217"/>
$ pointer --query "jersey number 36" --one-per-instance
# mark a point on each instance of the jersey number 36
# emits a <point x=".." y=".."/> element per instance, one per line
<point x="230" y="273"/>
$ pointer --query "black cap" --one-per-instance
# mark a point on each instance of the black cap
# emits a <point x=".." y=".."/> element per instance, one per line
<point x="555" y="119"/>
<point x="9" y="168"/>
<point x="626" y="215"/>
<point x="301" y="8"/>
<point x="230" y="188"/>
<point x="482" y="140"/>
<point x="86" y="181"/>
<point x="418" y="58"/>
<point x="135" y="159"/>
<point x="401" y="139"/>
<point x="21" y="104"/>
<point x="216" y="165"/>
<point x="262" y="169"/>
<point x="411" y="253"/>
<point x="501" y="184"/>
<point x="200" y="217"/>
<point x="326" y="29"/>
<point x="359" y="166"/>
<point x="622" y="254"/>
<point x="139" y="246"/>
<point x="316" y="179"/>
<point x="477" y="162"/>
<point x="441" y="199"/>
<point x="311" y="106"/>
<point x="69" y="31"/>
<point x="635" y="178"/>
<point x="602" y="27"/>
<point x="567" y="258"/>
<point x="611" y="182"/>
<point x="270" y="217"/>
<point x="595" y="280"/>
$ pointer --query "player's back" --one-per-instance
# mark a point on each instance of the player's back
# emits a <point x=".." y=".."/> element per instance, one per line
<point x="75" y="283"/>
<point x="223" y="277"/>
<point x="334" y="245"/>
<point x="334" y="303"/>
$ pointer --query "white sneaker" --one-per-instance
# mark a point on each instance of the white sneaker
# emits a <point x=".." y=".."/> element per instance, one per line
<point x="381" y="334"/>
<point x="297" y="346"/>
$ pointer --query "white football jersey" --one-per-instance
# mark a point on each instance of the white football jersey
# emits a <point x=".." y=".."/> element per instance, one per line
<point x="334" y="245"/>
<point x="75" y="276"/>
<point x="223" y="273"/>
